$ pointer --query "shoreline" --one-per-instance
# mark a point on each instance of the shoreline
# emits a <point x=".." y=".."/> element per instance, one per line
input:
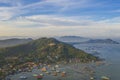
<point x="74" y="71"/>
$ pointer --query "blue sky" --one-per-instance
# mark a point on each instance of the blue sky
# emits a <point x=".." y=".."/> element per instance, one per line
<point x="95" y="18"/>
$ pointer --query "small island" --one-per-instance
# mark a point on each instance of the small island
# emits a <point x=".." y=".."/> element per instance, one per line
<point x="102" y="41"/>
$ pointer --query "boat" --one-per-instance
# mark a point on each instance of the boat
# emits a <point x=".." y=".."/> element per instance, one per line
<point x="23" y="77"/>
<point x="42" y="74"/>
<point x="53" y="68"/>
<point x="57" y="71"/>
<point x="92" y="78"/>
<point x="47" y="72"/>
<point x="35" y="75"/>
<point x="56" y="66"/>
<point x="63" y="74"/>
<point x="105" y="78"/>
<point x="54" y="73"/>
<point x="39" y="77"/>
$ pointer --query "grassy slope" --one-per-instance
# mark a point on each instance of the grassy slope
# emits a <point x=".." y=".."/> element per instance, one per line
<point x="45" y="50"/>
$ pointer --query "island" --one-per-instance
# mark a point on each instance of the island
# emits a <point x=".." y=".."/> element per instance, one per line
<point x="44" y="51"/>
<point x="102" y="41"/>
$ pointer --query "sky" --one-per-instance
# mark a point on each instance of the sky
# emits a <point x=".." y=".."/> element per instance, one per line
<point x="90" y="18"/>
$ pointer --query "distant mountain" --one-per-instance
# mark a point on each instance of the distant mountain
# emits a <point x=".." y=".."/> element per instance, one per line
<point x="116" y="39"/>
<point x="103" y="41"/>
<point x="69" y="39"/>
<point x="78" y="37"/>
<point x="45" y="50"/>
<point x="13" y="42"/>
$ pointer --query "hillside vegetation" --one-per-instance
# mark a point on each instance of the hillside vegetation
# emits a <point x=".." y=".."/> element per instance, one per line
<point x="46" y="50"/>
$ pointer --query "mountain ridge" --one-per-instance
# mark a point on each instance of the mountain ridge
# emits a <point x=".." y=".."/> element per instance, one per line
<point x="72" y="39"/>
<point x="105" y="41"/>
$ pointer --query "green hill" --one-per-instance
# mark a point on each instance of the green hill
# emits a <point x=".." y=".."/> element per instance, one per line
<point x="46" y="50"/>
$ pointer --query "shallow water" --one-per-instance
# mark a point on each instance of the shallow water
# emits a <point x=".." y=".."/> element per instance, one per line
<point x="111" y="53"/>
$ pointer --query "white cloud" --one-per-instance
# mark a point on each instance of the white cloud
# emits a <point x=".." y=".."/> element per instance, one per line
<point x="58" y="21"/>
<point x="44" y="25"/>
<point x="18" y="7"/>
<point x="6" y="13"/>
<point x="61" y="5"/>
<point x="114" y="20"/>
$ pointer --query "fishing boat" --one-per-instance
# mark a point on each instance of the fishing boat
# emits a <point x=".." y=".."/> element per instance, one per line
<point x="63" y="74"/>
<point x="35" y="75"/>
<point x="47" y="72"/>
<point x="42" y="74"/>
<point x="39" y="77"/>
<point x="105" y="78"/>
<point x="92" y="78"/>
<point x="58" y="71"/>
<point x="23" y="77"/>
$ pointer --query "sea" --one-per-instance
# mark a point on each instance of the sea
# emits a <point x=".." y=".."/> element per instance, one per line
<point x="111" y="54"/>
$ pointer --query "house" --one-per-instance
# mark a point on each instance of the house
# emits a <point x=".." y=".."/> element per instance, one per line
<point x="44" y="69"/>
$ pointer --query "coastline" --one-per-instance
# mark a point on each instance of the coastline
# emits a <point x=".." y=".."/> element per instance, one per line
<point x="81" y="71"/>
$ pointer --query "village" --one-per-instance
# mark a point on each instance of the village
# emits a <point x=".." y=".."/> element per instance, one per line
<point x="29" y="67"/>
<point x="57" y="71"/>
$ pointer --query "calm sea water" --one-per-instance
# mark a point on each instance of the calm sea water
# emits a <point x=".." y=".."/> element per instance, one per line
<point x="111" y="53"/>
